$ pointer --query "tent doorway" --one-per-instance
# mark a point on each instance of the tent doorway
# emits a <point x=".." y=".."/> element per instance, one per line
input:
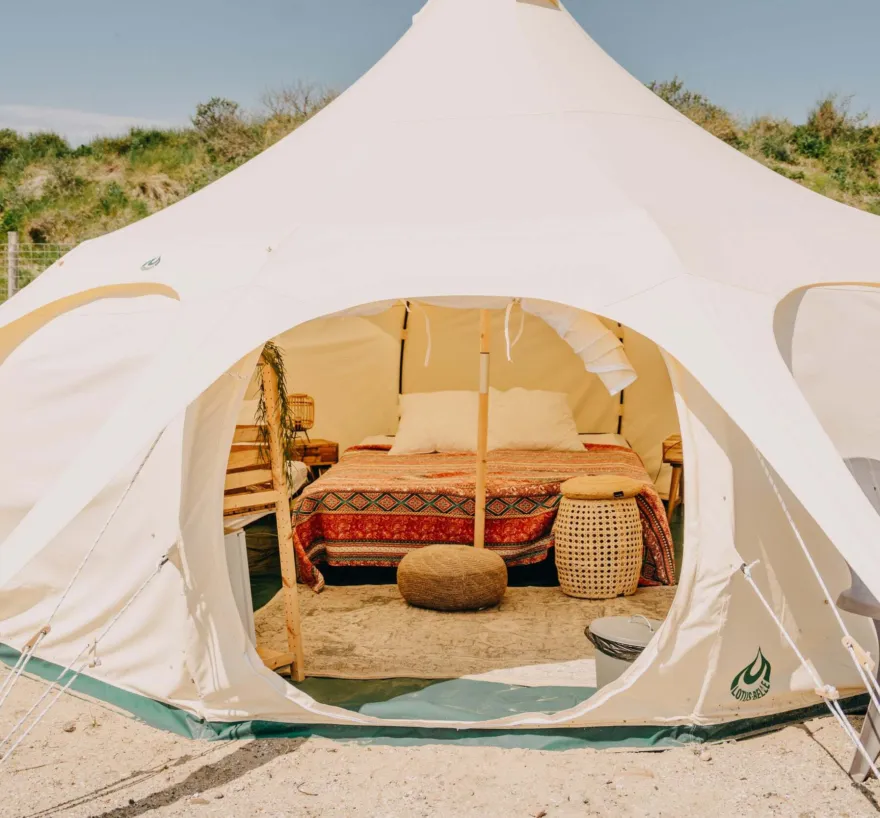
<point x="363" y="644"/>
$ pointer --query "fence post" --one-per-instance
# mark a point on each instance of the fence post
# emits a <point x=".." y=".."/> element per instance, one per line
<point x="11" y="264"/>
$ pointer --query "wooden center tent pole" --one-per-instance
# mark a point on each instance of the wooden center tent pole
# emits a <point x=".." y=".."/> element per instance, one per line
<point x="482" y="433"/>
<point x="278" y="462"/>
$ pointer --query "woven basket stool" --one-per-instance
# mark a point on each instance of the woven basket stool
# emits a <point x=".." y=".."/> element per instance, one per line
<point x="598" y="534"/>
<point x="452" y="578"/>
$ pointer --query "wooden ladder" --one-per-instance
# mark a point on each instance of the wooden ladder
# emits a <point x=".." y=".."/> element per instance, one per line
<point x="256" y="483"/>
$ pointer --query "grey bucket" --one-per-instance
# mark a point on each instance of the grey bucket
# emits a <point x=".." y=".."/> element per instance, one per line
<point x="619" y="640"/>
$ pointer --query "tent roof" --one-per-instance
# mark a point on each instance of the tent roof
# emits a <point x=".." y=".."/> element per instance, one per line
<point x="494" y="134"/>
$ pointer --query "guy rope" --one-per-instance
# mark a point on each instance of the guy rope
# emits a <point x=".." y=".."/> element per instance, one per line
<point x="90" y="652"/>
<point x="861" y="659"/>
<point x="29" y="649"/>
<point x="828" y="693"/>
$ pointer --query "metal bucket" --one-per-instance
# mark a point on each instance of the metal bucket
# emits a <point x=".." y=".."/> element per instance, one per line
<point x="619" y="641"/>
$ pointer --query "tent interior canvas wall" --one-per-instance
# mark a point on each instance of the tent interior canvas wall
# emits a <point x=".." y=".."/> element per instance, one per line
<point x="349" y="359"/>
<point x="495" y="153"/>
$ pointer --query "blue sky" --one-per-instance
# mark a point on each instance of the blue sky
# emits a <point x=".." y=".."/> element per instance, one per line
<point x="102" y="65"/>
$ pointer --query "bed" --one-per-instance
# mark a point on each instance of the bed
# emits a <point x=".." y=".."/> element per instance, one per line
<point x="371" y="509"/>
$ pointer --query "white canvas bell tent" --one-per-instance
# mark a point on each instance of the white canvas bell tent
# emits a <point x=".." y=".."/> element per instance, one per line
<point x="495" y="151"/>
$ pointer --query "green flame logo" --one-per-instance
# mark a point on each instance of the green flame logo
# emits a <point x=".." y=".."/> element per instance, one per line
<point x="753" y="681"/>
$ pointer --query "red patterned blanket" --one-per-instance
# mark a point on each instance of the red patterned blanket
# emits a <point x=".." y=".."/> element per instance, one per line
<point x="371" y="509"/>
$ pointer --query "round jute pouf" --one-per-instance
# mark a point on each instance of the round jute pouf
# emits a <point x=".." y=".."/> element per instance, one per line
<point x="598" y="537"/>
<point x="452" y="578"/>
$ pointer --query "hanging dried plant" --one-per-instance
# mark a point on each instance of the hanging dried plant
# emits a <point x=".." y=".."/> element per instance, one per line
<point x="272" y="357"/>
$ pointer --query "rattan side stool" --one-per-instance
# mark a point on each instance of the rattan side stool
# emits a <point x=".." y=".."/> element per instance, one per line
<point x="598" y="534"/>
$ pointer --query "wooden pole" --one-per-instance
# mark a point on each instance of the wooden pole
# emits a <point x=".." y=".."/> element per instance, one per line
<point x="482" y="433"/>
<point x="278" y="463"/>
<point x="11" y="264"/>
<point x="403" y="336"/>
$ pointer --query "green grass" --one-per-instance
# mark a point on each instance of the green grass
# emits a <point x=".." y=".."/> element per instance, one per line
<point x="51" y="192"/>
<point x="835" y="152"/>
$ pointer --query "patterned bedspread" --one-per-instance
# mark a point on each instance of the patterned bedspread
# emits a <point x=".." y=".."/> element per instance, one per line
<point x="372" y="509"/>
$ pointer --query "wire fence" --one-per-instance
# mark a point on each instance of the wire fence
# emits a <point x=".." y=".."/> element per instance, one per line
<point x="21" y="262"/>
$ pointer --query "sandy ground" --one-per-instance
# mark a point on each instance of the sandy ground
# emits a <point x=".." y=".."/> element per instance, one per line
<point x="87" y="760"/>
<point x="369" y="632"/>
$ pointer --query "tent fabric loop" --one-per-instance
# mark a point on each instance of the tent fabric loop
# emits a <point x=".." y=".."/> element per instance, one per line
<point x="864" y="658"/>
<point x="827" y="692"/>
<point x="409" y="308"/>
<point x="509" y="345"/>
<point x="597" y="346"/>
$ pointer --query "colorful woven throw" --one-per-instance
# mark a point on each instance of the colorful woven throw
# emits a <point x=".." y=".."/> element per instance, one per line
<point x="372" y="508"/>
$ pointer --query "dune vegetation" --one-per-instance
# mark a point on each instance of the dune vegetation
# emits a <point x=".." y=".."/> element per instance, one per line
<point x="52" y="192"/>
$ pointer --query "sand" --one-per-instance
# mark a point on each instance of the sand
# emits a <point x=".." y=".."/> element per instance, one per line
<point x="369" y="632"/>
<point x="86" y="761"/>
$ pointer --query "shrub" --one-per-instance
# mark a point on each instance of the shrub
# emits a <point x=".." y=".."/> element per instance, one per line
<point x="45" y="145"/>
<point x="64" y="180"/>
<point x="140" y="209"/>
<point x="141" y="139"/>
<point x="109" y="146"/>
<point x="113" y="199"/>
<point x="775" y="146"/>
<point x="295" y="104"/>
<point x="809" y="143"/>
<point x="865" y="157"/>
<point x="10" y="145"/>
<point x="12" y="218"/>
<point x="831" y="119"/>
<point x="215" y="114"/>
<point x="698" y="109"/>
<point x="229" y="140"/>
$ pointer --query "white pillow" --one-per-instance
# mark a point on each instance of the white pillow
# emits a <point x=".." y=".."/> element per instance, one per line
<point x="532" y="419"/>
<point x="525" y="419"/>
<point x="436" y="422"/>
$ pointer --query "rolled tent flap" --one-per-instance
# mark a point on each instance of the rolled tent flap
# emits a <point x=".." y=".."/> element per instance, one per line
<point x="597" y="346"/>
<point x="614" y="370"/>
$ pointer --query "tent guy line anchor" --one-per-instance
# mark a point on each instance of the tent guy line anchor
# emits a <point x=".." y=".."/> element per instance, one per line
<point x="16" y="671"/>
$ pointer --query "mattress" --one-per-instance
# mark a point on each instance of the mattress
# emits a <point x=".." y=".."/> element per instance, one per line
<point x="373" y="509"/>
